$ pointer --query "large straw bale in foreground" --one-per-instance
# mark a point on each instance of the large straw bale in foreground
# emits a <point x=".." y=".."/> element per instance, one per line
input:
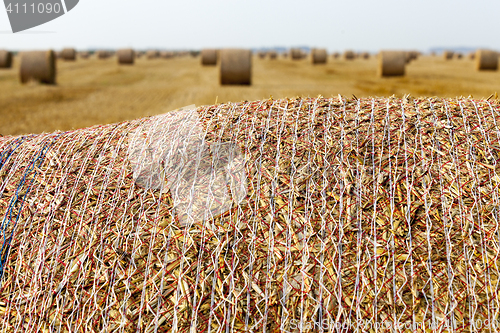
<point x="319" y="56"/>
<point x="5" y="59"/>
<point x="346" y="211"/>
<point x="391" y="63"/>
<point x="209" y="57"/>
<point x="38" y="66"/>
<point x="126" y="56"/>
<point x="235" y="67"/>
<point x="486" y="60"/>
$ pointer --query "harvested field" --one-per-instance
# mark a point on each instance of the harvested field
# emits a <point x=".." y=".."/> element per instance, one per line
<point x="100" y="91"/>
<point x="382" y="210"/>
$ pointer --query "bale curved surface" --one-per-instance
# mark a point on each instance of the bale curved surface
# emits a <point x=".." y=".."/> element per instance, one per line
<point x="209" y="57"/>
<point x="400" y="194"/>
<point x="486" y="60"/>
<point x="5" y="59"/>
<point x="235" y="67"/>
<point x="319" y="56"/>
<point x="68" y="54"/>
<point x="273" y="55"/>
<point x="38" y="66"/>
<point x="391" y="63"/>
<point x="126" y="56"/>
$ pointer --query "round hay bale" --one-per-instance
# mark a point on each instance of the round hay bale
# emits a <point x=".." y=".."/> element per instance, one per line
<point x="209" y="57"/>
<point x="391" y="63"/>
<point x="167" y="54"/>
<point x="103" y="54"/>
<point x="306" y="196"/>
<point x="296" y="54"/>
<point x="336" y="55"/>
<point x="319" y="56"/>
<point x="5" y="59"/>
<point x="411" y="55"/>
<point x="126" y="56"/>
<point x="471" y="55"/>
<point x="273" y="55"/>
<point x="349" y="55"/>
<point x="486" y="60"/>
<point x="84" y="54"/>
<point x="38" y="66"/>
<point x="261" y="54"/>
<point x="448" y="55"/>
<point x="235" y="67"/>
<point x="365" y="55"/>
<point x="152" y="54"/>
<point x="68" y="54"/>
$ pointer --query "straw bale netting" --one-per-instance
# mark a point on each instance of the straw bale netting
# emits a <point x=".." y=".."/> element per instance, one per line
<point x="209" y="57"/>
<point x="361" y="213"/>
<point x="448" y="55"/>
<point x="391" y="63"/>
<point x="486" y="60"/>
<point x="5" y="59"/>
<point x="319" y="56"/>
<point x="349" y="55"/>
<point x="68" y="54"/>
<point x="235" y="67"/>
<point x="152" y="54"/>
<point x="38" y="66"/>
<point x="126" y="56"/>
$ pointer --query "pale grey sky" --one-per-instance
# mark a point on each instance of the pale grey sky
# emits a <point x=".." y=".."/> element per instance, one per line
<point x="336" y="25"/>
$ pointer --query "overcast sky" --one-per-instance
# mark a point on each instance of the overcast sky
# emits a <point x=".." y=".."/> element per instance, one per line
<point x="337" y="25"/>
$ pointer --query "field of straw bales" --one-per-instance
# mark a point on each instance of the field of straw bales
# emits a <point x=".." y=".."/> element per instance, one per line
<point x="98" y="91"/>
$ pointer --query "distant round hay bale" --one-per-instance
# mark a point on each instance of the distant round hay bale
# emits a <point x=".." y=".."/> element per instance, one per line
<point x="336" y="55"/>
<point x="486" y="60"/>
<point x="458" y="55"/>
<point x="152" y="54"/>
<point x="209" y="57"/>
<point x="5" y="59"/>
<point x="103" y="54"/>
<point x="391" y="63"/>
<point x="167" y="54"/>
<point x="235" y="66"/>
<point x="262" y="54"/>
<point x="68" y="54"/>
<point x="319" y="56"/>
<point x="84" y="54"/>
<point x="411" y="55"/>
<point x="296" y="54"/>
<point x="273" y="55"/>
<point x="126" y="56"/>
<point x="448" y="55"/>
<point x="38" y="66"/>
<point x="365" y="55"/>
<point x="349" y="55"/>
<point x="471" y="55"/>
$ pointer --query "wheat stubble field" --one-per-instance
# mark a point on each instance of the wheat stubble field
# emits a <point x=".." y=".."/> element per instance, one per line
<point x="94" y="91"/>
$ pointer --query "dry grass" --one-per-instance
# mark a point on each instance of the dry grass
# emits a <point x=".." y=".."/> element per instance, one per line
<point x="100" y="91"/>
